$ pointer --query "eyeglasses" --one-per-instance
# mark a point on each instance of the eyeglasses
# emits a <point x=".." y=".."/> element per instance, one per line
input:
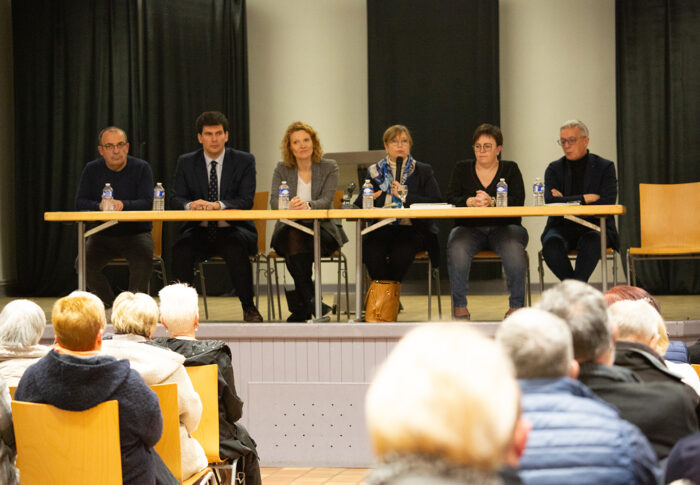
<point x="486" y="147"/>
<point x="111" y="146"/>
<point x="569" y="141"/>
<point x="403" y="141"/>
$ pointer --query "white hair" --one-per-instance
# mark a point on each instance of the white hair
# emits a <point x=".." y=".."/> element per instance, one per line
<point x="538" y="342"/>
<point x="635" y="319"/>
<point x="576" y="124"/>
<point x="444" y="391"/>
<point x="22" y="322"/>
<point x="179" y="307"/>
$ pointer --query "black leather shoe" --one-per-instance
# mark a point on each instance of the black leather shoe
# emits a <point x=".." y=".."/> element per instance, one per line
<point x="252" y="315"/>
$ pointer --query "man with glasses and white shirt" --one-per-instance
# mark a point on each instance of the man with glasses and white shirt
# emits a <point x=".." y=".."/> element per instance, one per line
<point x="132" y="184"/>
<point x="578" y="176"/>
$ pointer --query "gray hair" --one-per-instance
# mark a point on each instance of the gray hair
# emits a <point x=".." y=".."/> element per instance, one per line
<point x="635" y="319"/>
<point x="179" y="307"/>
<point x="538" y="342"/>
<point x="115" y="129"/>
<point x="583" y="308"/>
<point x="576" y="124"/>
<point x="22" y="322"/>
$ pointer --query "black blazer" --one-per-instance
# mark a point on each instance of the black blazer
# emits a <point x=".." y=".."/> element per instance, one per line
<point x="237" y="187"/>
<point x="600" y="179"/>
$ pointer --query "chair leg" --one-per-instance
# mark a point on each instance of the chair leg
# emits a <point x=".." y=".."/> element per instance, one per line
<point x="277" y="288"/>
<point x="347" y="285"/>
<point x="430" y="288"/>
<point x="204" y="290"/>
<point x="439" y="291"/>
<point x="337" y="298"/>
<point x="527" y="280"/>
<point x="540" y="270"/>
<point x="614" y="259"/>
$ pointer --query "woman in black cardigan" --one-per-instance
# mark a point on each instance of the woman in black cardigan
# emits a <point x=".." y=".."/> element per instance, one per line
<point x="473" y="184"/>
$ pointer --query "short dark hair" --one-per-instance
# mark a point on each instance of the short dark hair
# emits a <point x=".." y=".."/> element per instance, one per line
<point x="489" y="130"/>
<point x="211" y="118"/>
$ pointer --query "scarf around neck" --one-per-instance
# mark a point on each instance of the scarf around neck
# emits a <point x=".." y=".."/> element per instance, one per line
<point x="382" y="176"/>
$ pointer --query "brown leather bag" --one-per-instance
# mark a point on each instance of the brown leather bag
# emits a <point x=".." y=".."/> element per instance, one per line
<point x="382" y="301"/>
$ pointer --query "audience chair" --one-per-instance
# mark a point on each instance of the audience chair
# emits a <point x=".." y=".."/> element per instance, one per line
<point x="609" y="255"/>
<point x="158" y="262"/>
<point x="338" y="257"/>
<point x="12" y="390"/>
<point x="57" y="446"/>
<point x="169" y="447"/>
<point x="205" y="382"/>
<point x="696" y="368"/>
<point x="259" y="203"/>
<point x="669" y="224"/>
<point x="493" y="257"/>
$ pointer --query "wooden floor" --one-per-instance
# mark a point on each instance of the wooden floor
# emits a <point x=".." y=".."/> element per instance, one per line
<point x="482" y="307"/>
<point x="313" y="476"/>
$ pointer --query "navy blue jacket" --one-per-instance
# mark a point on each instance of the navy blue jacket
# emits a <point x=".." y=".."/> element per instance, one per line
<point x="133" y="185"/>
<point x="577" y="439"/>
<point x="237" y="188"/>
<point x="75" y="384"/>
<point x="600" y="179"/>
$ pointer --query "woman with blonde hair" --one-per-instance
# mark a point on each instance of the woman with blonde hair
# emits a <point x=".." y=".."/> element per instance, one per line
<point x="312" y="182"/>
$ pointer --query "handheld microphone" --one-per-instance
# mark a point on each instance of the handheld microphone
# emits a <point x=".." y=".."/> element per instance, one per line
<point x="399" y="167"/>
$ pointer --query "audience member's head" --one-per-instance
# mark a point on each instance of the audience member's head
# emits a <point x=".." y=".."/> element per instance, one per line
<point x="448" y="393"/>
<point x="636" y="320"/>
<point x="683" y="461"/>
<point x="179" y="308"/>
<point x="627" y="292"/>
<point x="135" y="313"/>
<point x="22" y="323"/>
<point x="583" y="309"/>
<point x="78" y="321"/>
<point x="539" y="344"/>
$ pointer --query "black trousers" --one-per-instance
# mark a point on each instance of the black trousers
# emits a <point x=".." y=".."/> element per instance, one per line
<point x="231" y="244"/>
<point x="389" y="251"/>
<point x="562" y="238"/>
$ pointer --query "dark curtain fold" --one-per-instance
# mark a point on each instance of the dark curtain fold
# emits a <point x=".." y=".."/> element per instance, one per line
<point x="658" y="103"/>
<point x="148" y="66"/>
<point x="74" y="65"/>
<point x="434" y="68"/>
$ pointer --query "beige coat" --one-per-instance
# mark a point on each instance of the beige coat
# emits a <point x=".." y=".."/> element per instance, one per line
<point x="162" y="366"/>
<point x="15" y="359"/>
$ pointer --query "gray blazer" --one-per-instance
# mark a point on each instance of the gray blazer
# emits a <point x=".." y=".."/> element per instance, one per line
<point x="324" y="183"/>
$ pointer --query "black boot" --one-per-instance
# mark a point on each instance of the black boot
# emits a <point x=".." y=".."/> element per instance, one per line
<point x="300" y="267"/>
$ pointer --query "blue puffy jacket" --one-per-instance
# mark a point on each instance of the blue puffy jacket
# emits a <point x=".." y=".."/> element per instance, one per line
<point x="677" y="352"/>
<point x="577" y="439"/>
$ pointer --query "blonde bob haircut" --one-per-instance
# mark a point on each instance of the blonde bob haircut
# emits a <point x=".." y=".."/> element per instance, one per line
<point x="179" y="307"/>
<point x="77" y="319"/>
<point x="288" y="157"/>
<point x="135" y="313"/>
<point x="446" y="392"/>
<point x="394" y="131"/>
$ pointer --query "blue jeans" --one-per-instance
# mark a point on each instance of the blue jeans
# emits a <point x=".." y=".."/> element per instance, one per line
<point x="508" y="241"/>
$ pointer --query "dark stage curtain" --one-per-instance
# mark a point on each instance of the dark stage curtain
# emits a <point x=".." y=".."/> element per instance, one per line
<point x="433" y="66"/>
<point x="658" y="103"/>
<point x="148" y="66"/>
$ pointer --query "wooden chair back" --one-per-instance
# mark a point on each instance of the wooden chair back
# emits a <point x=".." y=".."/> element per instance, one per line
<point x="57" y="446"/>
<point x="205" y="382"/>
<point x="668" y="216"/>
<point x="260" y="203"/>
<point x="12" y="390"/>
<point x="696" y="367"/>
<point x="338" y="199"/>
<point x="168" y="447"/>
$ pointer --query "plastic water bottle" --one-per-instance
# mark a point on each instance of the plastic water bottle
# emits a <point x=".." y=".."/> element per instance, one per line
<point x="283" y="200"/>
<point x="158" y="197"/>
<point x="538" y="192"/>
<point x="367" y="195"/>
<point x="501" y="193"/>
<point x="107" y="198"/>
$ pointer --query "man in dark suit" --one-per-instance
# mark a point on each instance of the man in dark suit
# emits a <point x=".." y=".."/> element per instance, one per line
<point x="216" y="178"/>
<point x="578" y="176"/>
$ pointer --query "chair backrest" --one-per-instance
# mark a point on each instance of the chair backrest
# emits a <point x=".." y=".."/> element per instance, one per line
<point x="696" y="368"/>
<point x="57" y="446"/>
<point x="157" y="234"/>
<point x="260" y="203"/>
<point x="169" y="447"/>
<point x="338" y="199"/>
<point x="205" y="382"/>
<point x="12" y="390"/>
<point x="669" y="216"/>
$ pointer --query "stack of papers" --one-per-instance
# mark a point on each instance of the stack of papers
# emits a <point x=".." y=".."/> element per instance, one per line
<point x="437" y="205"/>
